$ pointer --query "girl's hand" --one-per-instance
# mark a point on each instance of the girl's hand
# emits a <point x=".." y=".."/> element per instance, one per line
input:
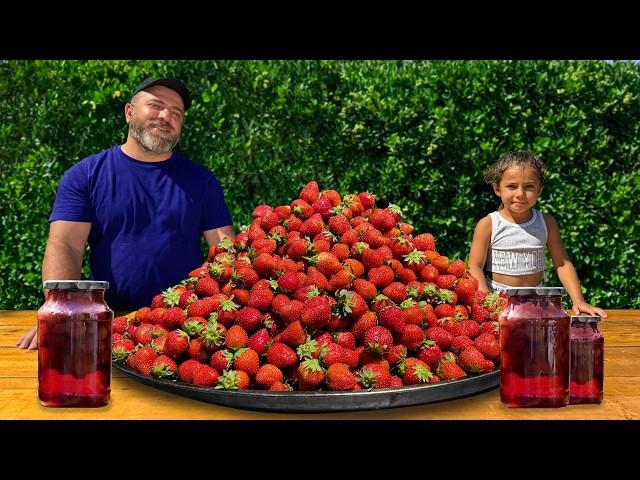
<point x="584" y="307"/>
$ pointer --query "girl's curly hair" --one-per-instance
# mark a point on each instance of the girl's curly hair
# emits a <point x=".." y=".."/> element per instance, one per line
<point x="493" y="173"/>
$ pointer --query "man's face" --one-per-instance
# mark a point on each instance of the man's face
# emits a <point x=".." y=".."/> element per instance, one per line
<point x="155" y="119"/>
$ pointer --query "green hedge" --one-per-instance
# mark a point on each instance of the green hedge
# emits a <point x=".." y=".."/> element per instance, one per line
<point x="417" y="134"/>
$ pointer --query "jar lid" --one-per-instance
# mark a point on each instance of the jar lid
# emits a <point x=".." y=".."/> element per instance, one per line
<point x="75" y="284"/>
<point x="585" y="318"/>
<point x="540" y="291"/>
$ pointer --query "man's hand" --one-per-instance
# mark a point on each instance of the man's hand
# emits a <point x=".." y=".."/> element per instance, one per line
<point x="29" y="340"/>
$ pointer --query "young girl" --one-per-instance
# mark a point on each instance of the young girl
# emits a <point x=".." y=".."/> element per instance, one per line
<point x="509" y="244"/>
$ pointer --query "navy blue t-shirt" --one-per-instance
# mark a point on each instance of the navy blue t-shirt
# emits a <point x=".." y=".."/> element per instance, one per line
<point x="146" y="220"/>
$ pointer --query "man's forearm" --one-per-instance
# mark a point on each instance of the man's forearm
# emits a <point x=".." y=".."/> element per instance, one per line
<point x="61" y="262"/>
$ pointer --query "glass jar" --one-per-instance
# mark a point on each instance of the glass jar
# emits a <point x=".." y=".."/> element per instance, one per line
<point x="74" y="344"/>
<point x="534" y="348"/>
<point x="587" y="360"/>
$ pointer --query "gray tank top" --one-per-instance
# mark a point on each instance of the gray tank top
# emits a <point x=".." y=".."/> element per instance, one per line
<point x="517" y="249"/>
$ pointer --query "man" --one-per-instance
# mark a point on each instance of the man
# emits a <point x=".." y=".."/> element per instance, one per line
<point x="141" y="206"/>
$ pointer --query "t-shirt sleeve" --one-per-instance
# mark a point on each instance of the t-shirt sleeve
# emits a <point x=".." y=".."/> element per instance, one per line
<point x="215" y="213"/>
<point x="73" y="201"/>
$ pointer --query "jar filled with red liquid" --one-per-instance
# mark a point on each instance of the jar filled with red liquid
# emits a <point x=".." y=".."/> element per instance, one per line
<point x="535" y="336"/>
<point x="74" y="345"/>
<point x="587" y="360"/>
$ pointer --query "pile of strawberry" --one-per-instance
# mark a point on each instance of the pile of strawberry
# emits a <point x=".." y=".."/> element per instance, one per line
<point x="327" y="293"/>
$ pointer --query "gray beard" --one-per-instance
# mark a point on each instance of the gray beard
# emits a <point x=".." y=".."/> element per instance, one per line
<point x="151" y="142"/>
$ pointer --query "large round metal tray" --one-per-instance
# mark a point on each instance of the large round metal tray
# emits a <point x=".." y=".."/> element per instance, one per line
<point x="317" y="402"/>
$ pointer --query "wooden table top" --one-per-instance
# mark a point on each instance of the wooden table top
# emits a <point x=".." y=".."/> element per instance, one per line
<point x="131" y="400"/>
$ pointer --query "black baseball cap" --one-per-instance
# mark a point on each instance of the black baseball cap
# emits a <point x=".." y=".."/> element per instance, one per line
<point x="172" y="83"/>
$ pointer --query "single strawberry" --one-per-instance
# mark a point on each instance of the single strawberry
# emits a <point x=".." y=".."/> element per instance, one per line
<point x="259" y="341"/>
<point x="261" y="210"/>
<point x="283" y="211"/>
<point x="233" y="380"/>
<point x="221" y="360"/>
<point x="294" y="334"/>
<point x="313" y="225"/>
<point x="424" y="241"/>
<point x="142" y="360"/>
<point x="236" y="337"/>
<point x="326" y="263"/>
<point x="204" y="375"/>
<point x="393" y="319"/>
<point x="362" y="324"/>
<point x="430" y="353"/>
<point x="142" y="334"/>
<point x="246" y="360"/>
<point x="322" y="242"/>
<point x="339" y="224"/>
<point x="382" y="219"/>
<point x="281" y="355"/>
<point x="158" y="344"/>
<point x="457" y="268"/>
<point x="194" y="326"/>
<point x="120" y="325"/>
<point x="446" y="281"/>
<point x="350" y="237"/>
<point x="479" y="313"/>
<point x="345" y="339"/>
<point x="122" y="349"/>
<point x="198" y="350"/>
<point x="460" y="343"/>
<point x="396" y="292"/>
<point x="415" y="372"/>
<point x="267" y="222"/>
<point x="186" y="370"/>
<point x="177" y="343"/>
<point x="369" y="257"/>
<point x="412" y="336"/>
<point x="310" y="192"/>
<point x="323" y="206"/>
<point x="200" y="308"/>
<point x="378" y="339"/>
<point x="206" y="286"/>
<point x="396" y="354"/>
<point x="491" y="327"/>
<point x="488" y="345"/>
<point x="340" y="280"/>
<point x="365" y="289"/>
<point x="339" y="377"/>
<point x="142" y="315"/>
<point x="471" y="360"/>
<point x="442" y="337"/>
<point x="316" y="312"/>
<point x="267" y="375"/>
<point x="449" y="370"/>
<point x="317" y="279"/>
<point x="164" y="367"/>
<point x="248" y="318"/>
<point x="444" y="310"/>
<point x="429" y="274"/>
<point x="350" y="304"/>
<point x="172" y="318"/>
<point x="381" y="276"/>
<point x="470" y="328"/>
<point x="311" y="373"/>
<point x="354" y="266"/>
<point x="374" y="375"/>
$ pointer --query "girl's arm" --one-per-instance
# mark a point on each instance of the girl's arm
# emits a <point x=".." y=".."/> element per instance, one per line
<point x="478" y="253"/>
<point x="566" y="272"/>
